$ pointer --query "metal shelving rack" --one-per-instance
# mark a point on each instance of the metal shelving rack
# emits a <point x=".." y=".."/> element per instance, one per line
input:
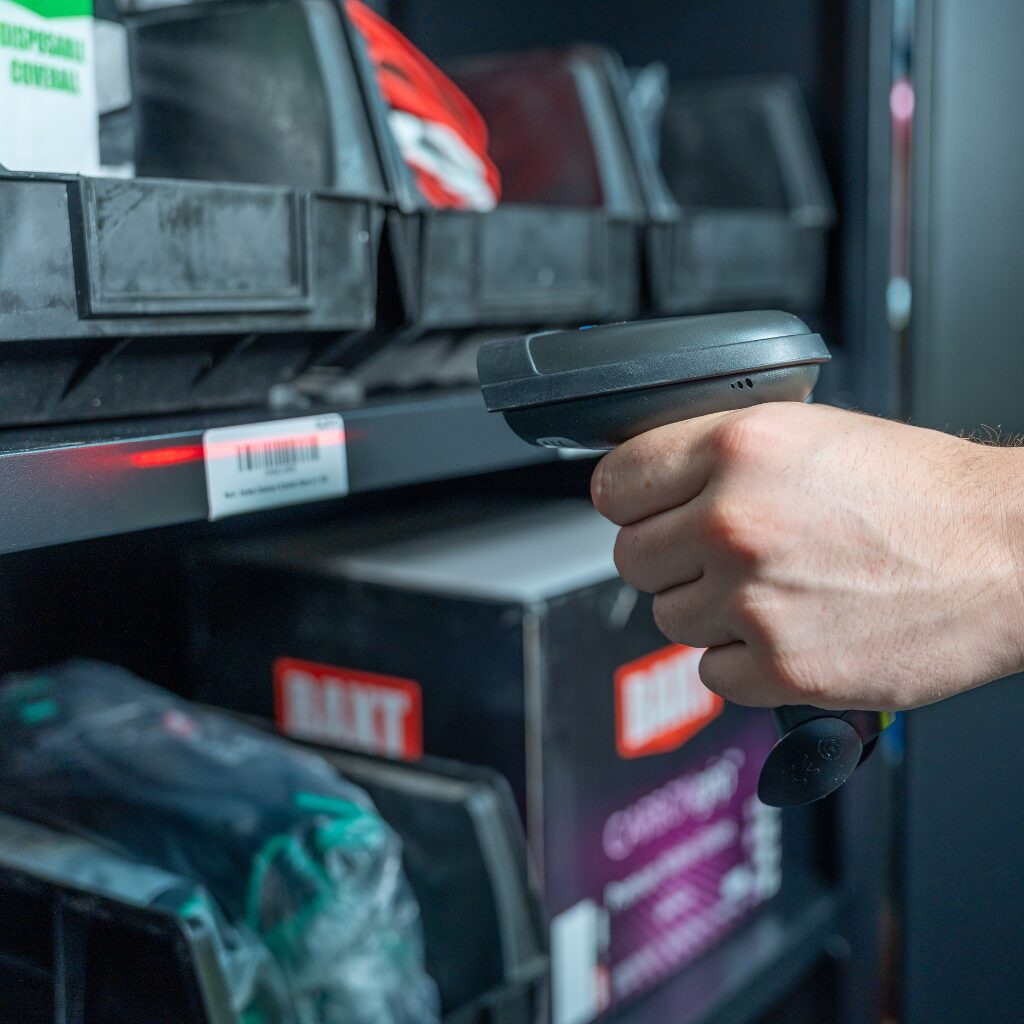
<point x="60" y="484"/>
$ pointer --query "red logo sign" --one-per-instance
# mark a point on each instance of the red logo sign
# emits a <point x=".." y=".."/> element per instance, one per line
<point x="343" y="707"/>
<point x="660" y="702"/>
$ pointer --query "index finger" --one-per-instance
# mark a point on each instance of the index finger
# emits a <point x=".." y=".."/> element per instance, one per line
<point x="656" y="471"/>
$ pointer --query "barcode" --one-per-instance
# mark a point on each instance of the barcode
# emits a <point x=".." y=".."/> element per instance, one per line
<point x="277" y="454"/>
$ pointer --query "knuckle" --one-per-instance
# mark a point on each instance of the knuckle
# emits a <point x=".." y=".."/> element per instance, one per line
<point x="721" y="522"/>
<point x="631" y="468"/>
<point x="733" y="438"/>
<point x="628" y="556"/>
<point x="641" y="461"/>
<point x="727" y="525"/>
<point x="636" y="557"/>
<point x="646" y="554"/>
<point x="665" y="619"/>
<point x="749" y="434"/>
<point x="711" y="677"/>
<point x="714" y="676"/>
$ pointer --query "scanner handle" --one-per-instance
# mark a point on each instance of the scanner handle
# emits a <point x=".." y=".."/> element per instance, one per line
<point x="817" y="752"/>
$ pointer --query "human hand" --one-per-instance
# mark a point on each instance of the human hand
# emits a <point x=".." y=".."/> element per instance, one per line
<point x="824" y="557"/>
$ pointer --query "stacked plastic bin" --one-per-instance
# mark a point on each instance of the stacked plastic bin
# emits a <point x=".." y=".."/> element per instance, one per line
<point x="273" y="223"/>
<point x="738" y="205"/>
<point x="524" y="263"/>
<point x="563" y="246"/>
<point x="139" y="296"/>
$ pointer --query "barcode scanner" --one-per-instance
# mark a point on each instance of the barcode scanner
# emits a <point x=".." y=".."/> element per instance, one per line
<point x="596" y="387"/>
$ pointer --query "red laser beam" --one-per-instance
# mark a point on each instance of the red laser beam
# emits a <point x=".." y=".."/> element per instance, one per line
<point x="173" y="455"/>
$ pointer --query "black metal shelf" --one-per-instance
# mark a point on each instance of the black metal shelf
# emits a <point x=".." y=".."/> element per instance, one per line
<point x="60" y="484"/>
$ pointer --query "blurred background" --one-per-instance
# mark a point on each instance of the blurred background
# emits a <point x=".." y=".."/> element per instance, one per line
<point x="249" y="250"/>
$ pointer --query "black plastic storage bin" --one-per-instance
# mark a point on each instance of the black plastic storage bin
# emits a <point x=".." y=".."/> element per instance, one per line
<point x="541" y="257"/>
<point x="261" y="91"/>
<point x="270" y="92"/>
<point x="148" y="295"/>
<point x="125" y="297"/>
<point x="738" y="202"/>
<point x="283" y="91"/>
<point x="89" y="937"/>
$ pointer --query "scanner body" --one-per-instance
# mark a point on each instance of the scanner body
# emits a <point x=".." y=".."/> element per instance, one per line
<point x="596" y="387"/>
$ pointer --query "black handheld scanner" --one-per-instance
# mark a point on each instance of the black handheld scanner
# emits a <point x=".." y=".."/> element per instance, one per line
<point x="596" y="387"/>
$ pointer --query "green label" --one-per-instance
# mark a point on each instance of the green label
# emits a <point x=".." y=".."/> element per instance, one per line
<point x="44" y="44"/>
<point x="39" y="76"/>
<point x="57" y="8"/>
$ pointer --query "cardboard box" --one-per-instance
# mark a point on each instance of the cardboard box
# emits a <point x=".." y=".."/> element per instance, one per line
<point x="509" y="640"/>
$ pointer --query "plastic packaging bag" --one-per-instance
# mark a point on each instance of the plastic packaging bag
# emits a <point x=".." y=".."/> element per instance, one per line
<point x="439" y="132"/>
<point x="318" y="923"/>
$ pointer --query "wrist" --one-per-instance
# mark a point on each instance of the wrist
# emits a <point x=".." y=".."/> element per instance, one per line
<point x="1005" y="493"/>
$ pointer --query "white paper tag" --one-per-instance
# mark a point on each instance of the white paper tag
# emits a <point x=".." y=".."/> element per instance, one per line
<point x="575" y="995"/>
<point x="267" y="465"/>
<point x="48" y="111"/>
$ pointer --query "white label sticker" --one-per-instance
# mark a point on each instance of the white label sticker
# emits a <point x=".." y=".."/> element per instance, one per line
<point x="266" y="465"/>
<point x="48" y="111"/>
<point x="575" y="981"/>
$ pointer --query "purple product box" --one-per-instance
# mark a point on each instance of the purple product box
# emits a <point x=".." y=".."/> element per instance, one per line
<point x="505" y="637"/>
<point x="667" y="877"/>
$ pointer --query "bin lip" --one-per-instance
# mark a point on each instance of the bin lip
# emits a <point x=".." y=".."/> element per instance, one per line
<point x="537" y="210"/>
<point x="227" y="188"/>
<point x="561" y="366"/>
